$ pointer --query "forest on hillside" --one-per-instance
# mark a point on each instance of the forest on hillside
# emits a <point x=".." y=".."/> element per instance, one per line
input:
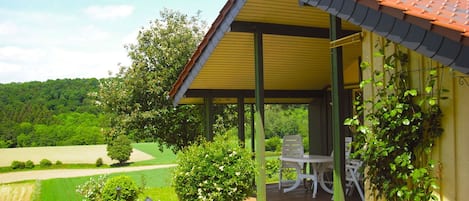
<point x="64" y="112"/>
<point x="50" y="113"/>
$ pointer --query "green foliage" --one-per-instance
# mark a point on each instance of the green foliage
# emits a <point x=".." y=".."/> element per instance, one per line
<point x="29" y="164"/>
<point x="91" y="189"/>
<point x="120" y="149"/>
<point x="272" y="167"/>
<point x="58" y="162"/>
<point x="17" y="165"/>
<point x="281" y="120"/>
<point x="138" y="96"/>
<point x="120" y="188"/>
<point x="45" y="163"/>
<point x="218" y="170"/>
<point x="402" y="125"/>
<point x="27" y="106"/>
<point x="99" y="162"/>
<point x="273" y="144"/>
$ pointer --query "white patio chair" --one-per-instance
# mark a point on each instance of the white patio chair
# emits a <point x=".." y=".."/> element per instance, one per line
<point x="353" y="176"/>
<point x="326" y="175"/>
<point x="292" y="146"/>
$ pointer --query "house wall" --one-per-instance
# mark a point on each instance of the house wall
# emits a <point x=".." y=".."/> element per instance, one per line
<point x="452" y="148"/>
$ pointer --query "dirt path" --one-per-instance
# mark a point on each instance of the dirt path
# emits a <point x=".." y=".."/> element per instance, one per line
<point x="66" y="173"/>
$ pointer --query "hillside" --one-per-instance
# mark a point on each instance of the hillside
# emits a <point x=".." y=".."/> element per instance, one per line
<point x="54" y="112"/>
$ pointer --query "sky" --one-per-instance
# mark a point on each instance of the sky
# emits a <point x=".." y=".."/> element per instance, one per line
<point x="56" y="39"/>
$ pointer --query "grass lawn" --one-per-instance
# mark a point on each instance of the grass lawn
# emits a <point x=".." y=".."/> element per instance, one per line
<point x="162" y="193"/>
<point x="64" y="188"/>
<point x="151" y="148"/>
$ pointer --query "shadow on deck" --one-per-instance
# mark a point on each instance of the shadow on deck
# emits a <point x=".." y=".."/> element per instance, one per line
<point x="301" y="194"/>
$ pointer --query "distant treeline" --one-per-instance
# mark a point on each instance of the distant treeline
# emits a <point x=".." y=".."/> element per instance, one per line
<point x="55" y="112"/>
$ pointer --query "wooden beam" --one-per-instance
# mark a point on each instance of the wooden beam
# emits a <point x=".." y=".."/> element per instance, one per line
<point x="338" y="139"/>
<point x="282" y="29"/>
<point x="241" y="120"/>
<point x="208" y="118"/>
<point x="221" y="93"/>
<point x="259" y="117"/>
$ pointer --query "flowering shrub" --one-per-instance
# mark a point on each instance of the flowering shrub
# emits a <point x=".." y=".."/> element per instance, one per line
<point x="218" y="170"/>
<point x="91" y="189"/>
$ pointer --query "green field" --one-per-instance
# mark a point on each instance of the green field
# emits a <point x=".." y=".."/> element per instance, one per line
<point x="151" y="148"/>
<point x="64" y="188"/>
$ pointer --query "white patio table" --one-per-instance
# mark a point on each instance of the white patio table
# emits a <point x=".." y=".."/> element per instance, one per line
<point x="316" y="162"/>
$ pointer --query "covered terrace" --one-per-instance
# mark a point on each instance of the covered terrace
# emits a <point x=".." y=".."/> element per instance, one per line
<point x="277" y="52"/>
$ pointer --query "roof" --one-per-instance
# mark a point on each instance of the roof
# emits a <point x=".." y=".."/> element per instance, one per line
<point x="446" y="17"/>
<point x="437" y="29"/>
<point x="296" y="43"/>
<point x="296" y="39"/>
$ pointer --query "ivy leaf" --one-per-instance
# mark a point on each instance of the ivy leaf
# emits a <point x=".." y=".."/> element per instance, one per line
<point x="428" y="89"/>
<point x="432" y="102"/>
<point x="388" y="67"/>
<point x="348" y="122"/>
<point x="400" y="193"/>
<point x="406" y="122"/>
<point x="412" y="92"/>
<point x="378" y="54"/>
<point x="364" y="64"/>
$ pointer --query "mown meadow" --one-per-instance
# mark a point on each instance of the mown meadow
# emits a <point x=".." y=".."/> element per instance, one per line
<point x="157" y="182"/>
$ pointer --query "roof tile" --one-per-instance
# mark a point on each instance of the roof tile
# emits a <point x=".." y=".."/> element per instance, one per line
<point x="447" y="17"/>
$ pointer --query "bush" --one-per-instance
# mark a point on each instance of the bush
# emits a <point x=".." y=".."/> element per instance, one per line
<point x="120" y="149"/>
<point x="17" y="165"/>
<point x="91" y="189"/>
<point x="218" y="170"/>
<point x="29" y="164"/>
<point x="120" y="188"/>
<point x="273" y="144"/>
<point x="58" y="162"/>
<point x="99" y="162"/>
<point x="45" y="163"/>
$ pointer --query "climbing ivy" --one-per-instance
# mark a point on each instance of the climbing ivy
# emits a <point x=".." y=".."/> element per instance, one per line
<point x="395" y="129"/>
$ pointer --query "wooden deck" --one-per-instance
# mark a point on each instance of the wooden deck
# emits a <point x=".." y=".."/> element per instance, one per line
<point x="301" y="194"/>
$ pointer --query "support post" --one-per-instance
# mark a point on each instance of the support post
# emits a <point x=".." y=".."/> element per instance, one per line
<point x="241" y="120"/>
<point x="338" y="139"/>
<point x="259" y="117"/>
<point x="208" y="103"/>
<point x="253" y="130"/>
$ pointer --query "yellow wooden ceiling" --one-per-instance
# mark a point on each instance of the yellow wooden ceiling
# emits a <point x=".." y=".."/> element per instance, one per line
<point x="290" y="62"/>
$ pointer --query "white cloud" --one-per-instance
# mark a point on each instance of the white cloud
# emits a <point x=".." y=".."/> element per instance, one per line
<point x="9" y="67"/>
<point x="8" y="28"/>
<point x="88" y="34"/>
<point x="130" y="38"/>
<point x="109" y="12"/>
<point x="23" y="64"/>
<point x="20" y="55"/>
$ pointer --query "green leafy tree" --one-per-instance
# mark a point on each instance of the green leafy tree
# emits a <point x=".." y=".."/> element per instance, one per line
<point x="137" y="97"/>
<point x="120" y="149"/>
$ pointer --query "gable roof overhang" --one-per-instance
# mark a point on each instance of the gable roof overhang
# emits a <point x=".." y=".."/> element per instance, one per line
<point x="296" y="55"/>
<point x="438" y="29"/>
